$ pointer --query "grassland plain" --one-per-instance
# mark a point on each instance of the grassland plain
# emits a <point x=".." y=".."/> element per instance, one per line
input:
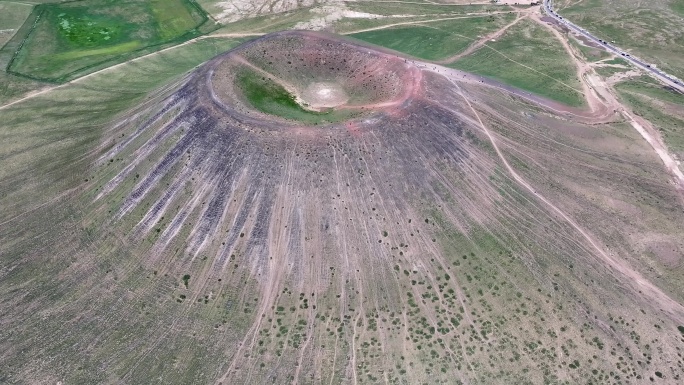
<point x="637" y="187"/>
<point x="591" y="54"/>
<point x="12" y="86"/>
<point x="659" y="105"/>
<point x="436" y="40"/>
<point x="268" y="23"/>
<point x="652" y="30"/>
<point x="528" y="57"/>
<point x="62" y="41"/>
<point x="357" y="25"/>
<point x="471" y="279"/>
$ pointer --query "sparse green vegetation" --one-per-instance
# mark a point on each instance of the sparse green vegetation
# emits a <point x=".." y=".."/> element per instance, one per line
<point x="660" y="106"/>
<point x="267" y="96"/>
<point x="67" y="39"/>
<point x="412" y="8"/>
<point x="12" y="16"/>
<point x="609" y="71"/>
<point x="528" y="57"/>
<point x="436" y="40"/>
<point x="617" y="60"/>
<point x="12" y="86"/>
<point x="591" y="54"/>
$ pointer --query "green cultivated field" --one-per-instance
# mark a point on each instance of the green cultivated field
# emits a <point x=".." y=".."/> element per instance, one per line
<point x="528" y="57"/>
<point x="438" y="40"/>
<point x="62" y="41"/>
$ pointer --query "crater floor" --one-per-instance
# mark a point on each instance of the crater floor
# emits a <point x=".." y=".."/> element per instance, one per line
<point x="311" y="78"/>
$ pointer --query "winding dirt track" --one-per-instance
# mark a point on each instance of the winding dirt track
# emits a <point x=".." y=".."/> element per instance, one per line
<point x="483" y="40"/>
<point x="674" y="308"/>
<point x="601" y="109"/>
<point x="418" y="22"/>
<point x="603" y="104"/>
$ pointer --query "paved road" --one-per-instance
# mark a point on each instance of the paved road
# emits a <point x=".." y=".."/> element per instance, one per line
<point x="662" y="76"/>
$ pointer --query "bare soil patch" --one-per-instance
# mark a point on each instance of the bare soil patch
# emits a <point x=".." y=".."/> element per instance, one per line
<point x="320" y="95"/>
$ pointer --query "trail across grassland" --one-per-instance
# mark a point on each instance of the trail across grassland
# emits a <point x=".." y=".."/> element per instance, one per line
<point x="674" y="308"/>
<point x="104" y="70"/>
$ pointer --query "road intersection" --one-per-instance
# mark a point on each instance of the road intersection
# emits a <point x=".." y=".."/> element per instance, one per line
<point x="660" y="75"/>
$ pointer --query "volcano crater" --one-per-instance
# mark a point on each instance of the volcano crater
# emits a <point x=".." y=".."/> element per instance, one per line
<point x="310" y="78"/>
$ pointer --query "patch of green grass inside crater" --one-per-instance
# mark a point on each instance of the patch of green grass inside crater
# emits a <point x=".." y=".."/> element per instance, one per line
<point x="271" y="98"/>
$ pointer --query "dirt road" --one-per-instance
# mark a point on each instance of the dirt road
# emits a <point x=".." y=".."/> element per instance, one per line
<point x="603" y="103"/>
<point x="674" y="308"/>
<point x="104" y="70"/>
